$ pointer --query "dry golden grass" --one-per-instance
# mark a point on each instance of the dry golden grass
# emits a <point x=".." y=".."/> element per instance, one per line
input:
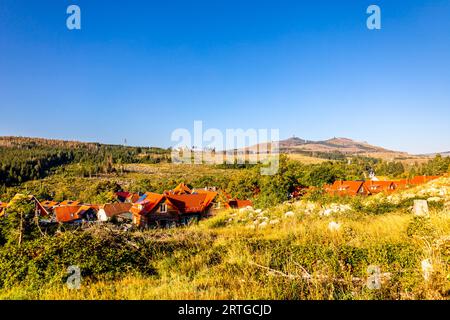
<point x="295" y="257"/>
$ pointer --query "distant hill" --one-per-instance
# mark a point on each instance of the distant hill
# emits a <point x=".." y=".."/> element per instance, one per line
<point x="444" y="154"/>
<point x="335" y="148"/>
<point x="343" y="145"/>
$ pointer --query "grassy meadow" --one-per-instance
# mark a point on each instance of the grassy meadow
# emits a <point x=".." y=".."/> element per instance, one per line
<point x="289" y="251"/>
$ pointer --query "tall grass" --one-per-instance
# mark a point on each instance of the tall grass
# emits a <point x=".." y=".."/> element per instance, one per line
<point x="225" y="258"/>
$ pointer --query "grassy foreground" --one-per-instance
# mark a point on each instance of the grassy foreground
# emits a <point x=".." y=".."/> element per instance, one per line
<point x="300" y="250"/>
<point x="293" y="257"/>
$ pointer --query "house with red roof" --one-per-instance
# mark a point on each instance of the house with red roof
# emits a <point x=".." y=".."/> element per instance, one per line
<point x="148" y="205"/>
<point x="376" y="187"/>
<point x="75" y="213"/>
<point x="119" y="211"/>
<point x="178" y="206"/>
<point x="422" y="179"/>
<point x="349" y="188"/>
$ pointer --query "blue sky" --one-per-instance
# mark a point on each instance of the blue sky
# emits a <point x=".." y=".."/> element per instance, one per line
<point x="141" y="69"/>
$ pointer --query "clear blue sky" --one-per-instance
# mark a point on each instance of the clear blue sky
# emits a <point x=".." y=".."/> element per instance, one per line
<point x="140" y="69"/>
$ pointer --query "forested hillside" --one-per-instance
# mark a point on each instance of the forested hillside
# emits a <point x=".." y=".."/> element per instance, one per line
<point x="23" y="159"/>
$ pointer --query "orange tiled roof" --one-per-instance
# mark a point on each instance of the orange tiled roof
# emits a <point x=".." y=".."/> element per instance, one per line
<point x="113" y="209"/>
<point x="69" y="203"/>
<point x="148" y="204"/>
<point x="380" y="186"/>
<point x="191" y="203"/>
<point x="71" y="213"/>
<point x="180" y="189"/>
<point x="349" y="188"/>
<point x="49" y="204"/>
<point x="238" y="204"/>
<point x="66" y="213"/>
<point x="422" y="179"/>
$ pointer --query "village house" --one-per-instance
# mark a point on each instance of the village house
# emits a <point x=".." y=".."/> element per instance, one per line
<point x="349" y="188"/>
<point x="422" y="179"/>
<point x="177" y="206"/>
<point x="375" y="187"/>
<point x="119" y="211"/>
<point x="45" y="208"/>
<point x="149" y="204"/>
<point x="75" y="213"/>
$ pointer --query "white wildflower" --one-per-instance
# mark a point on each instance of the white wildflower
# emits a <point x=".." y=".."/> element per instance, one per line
<point x="288" y="214"/>
<point x="262" y="225"/>
<point x="334" y="226"/>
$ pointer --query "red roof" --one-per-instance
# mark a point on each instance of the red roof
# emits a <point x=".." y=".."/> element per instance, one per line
<point x="180" y="189"/>
<point x="49" y="204"/>
<point x="238" y="204"/>
<point x="349" y="188"/>
<point x="380" y="186"/>
<point x="114" y="209"/>
<point x="422" y="179"/>
<point x="72" y="213"/>
<point x="148" y="204"/>
<point x="67" y="213"/>
<point x="191" y="203"/>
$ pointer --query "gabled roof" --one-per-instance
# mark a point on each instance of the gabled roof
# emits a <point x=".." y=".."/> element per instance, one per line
<point x="422" y="179"/>
<point x="180" y="189"/>
<point x="379" y="186"/>
<point x="66" y="213"/>
<point x="147" y="204"/>
<point x="191" y="203"/>
<point x="49" y="204"/>
<point x="210" y="195"/>
<point x="114" y="209"/>
<point x="72" y="213"/>
<point x="348" y="187"/>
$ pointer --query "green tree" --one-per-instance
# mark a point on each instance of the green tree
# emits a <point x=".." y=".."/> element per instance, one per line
<point x="19" y="223"/>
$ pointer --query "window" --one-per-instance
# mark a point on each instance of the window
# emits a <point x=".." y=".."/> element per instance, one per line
<point x="163" y="208"/>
